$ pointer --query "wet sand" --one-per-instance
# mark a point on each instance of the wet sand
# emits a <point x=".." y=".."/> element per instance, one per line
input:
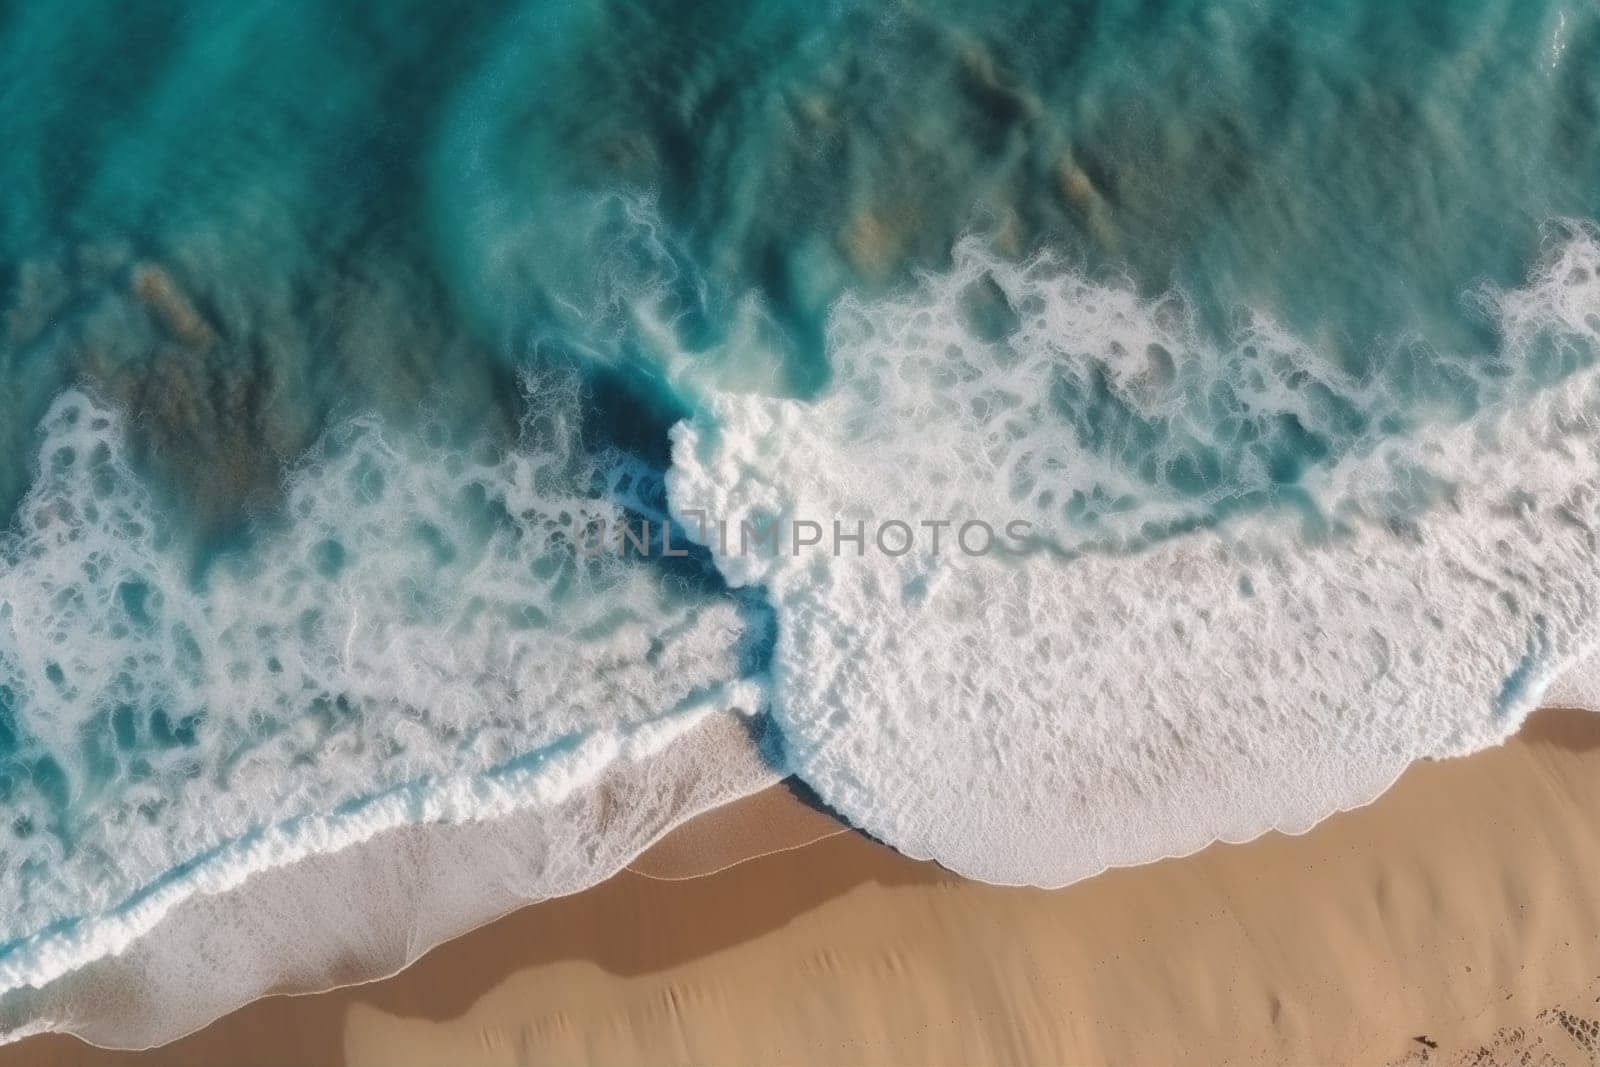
<point x="1456" y="920"/>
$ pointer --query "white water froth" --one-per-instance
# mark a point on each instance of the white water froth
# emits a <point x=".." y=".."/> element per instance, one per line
<point x="411" y="644"/>
<point x="366" y="911"/>
<point x="1125" y="692"/>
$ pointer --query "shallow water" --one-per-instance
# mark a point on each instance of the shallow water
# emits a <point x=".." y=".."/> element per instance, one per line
<point x="325" y="331"/>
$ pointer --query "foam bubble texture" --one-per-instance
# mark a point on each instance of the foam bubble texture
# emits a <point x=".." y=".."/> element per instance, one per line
<point x="1257" y="593"/>
<point x="368" y="909"/>
<point x="410" y="643"/>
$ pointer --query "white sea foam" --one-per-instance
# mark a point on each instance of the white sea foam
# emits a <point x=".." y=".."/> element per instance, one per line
<point x="410" y="644"/>
<point x="1182" y="658"/>
<point x="369" y="909"/>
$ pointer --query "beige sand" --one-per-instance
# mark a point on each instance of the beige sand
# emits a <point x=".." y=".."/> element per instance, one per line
<point x="1462" y="909"/>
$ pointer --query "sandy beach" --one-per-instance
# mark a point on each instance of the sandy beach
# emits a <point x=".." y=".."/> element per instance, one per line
<point x="1454" y="921"/>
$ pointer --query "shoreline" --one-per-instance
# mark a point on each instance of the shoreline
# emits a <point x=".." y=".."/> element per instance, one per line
<point x="420" y="886"/>
<point x="1462" y="902"/>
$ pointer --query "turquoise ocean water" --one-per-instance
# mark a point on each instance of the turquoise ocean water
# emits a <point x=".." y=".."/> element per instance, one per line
<point x="323" y="324"/>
